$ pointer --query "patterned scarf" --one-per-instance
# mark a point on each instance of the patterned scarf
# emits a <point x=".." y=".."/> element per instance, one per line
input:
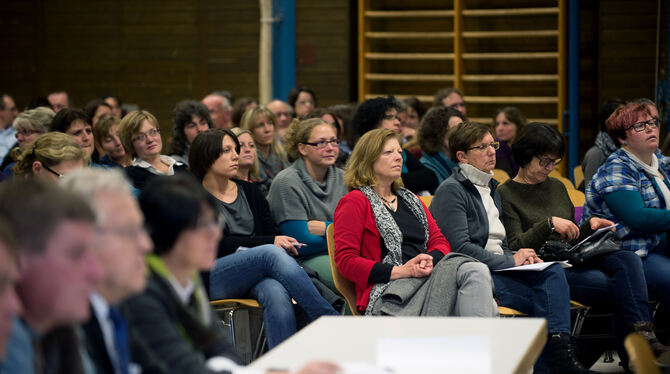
<point x="391" y="234"/>
<point x="605" y="143"/>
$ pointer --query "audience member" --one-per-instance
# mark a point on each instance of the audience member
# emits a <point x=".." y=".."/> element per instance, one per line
<point x="604" y="145"/>
<point x="220" y="110"/>
<point x="121" y="244"/>
<point x="173" y="313"/>
<point x="141" y="138"/>
<point x="190" y="119"/>
<point x="49" y="157"/>
<point x="415" y="112"/>
<point x="433" y="138"/>
<point x="303" y="197"/>
<point x="106" y="135"/>
<point x="631" y="189"/>
<point x="28" y="125"/>
<point x="271" y="154"/>
<point x="387" y="242"/>
<point x="59" y="100"/>
<point x="95" y="109"/>
<point x="240" y="106"/>
<point x="37" y="102"/>
<point x="283" y="114"/>
<point x="302" y="100"/>
<point x="247" y="166"/>
<point x="451" y="97"/>
<point x="77" y="124"/>
<point x="330" y="117"/>
<point x="534" y="203"/>
<point x="265" y="272"/>
<point x="10" y="305"/>
<point x="467" y="208"/>
<point x="382" y="112"/>
<point x="115" y="104"/>
<point x="507" y="122"/>
<point x="54" y="229"/>
<point x="345" y="113"/>
<point x="8" y="113"/>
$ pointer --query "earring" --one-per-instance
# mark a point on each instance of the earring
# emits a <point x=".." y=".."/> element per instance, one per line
<point x="623" y="142"/>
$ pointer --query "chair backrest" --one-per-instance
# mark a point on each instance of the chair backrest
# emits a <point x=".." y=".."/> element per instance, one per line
<point x="578" y="175"/>
<point x="500" y="175"/>
<point x="344" y="285"/>
<point x="426" y="199"/>
<point x="577" y="197"/>
<point x="566" y="182"/>
<point x="641" y="357"/>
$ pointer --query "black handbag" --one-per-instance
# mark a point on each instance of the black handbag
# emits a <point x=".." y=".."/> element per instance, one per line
<point x="595" y="247"/>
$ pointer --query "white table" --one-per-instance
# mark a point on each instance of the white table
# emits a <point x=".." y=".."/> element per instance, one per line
<point x="515" y="342"/>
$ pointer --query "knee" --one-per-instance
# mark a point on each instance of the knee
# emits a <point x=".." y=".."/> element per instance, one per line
<point x="475" y="271"/>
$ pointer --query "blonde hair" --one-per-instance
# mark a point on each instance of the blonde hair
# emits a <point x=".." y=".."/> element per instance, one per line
<point x="299" y="132"/>
<point x="130" y="126"/>
<point x="253" y="170"/>
<point x="38" y="119"/>
<point x="249" y="123"/>
<point x="359" y="170"/>
<point x="49" y="149"/>
<point x="101" y="129"/>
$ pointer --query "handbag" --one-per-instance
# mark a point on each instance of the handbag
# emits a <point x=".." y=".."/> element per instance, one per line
<point x="596" y="246"/>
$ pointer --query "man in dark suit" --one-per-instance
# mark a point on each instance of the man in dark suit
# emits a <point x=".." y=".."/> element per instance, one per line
<point x="121" y="244"/>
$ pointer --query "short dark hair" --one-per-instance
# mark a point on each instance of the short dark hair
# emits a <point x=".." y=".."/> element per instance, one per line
<point x="623" y="117"/>
<point x="92" y="107"/>
<point x="464" y="136"/>
<point x="295" y="92"/>
<point x="170" y="206"/>
<point x="434" y="127"/>
<point x="37" y="102"/>
<point x="441" y="94"/>
<point x="65" y="117"/>
<point x="239" y="107"/>
<point x="206" y="148"/>
<point x="606" y="111"/>
<point x="537" y="139"/>
<point x="34" y="209"/>
<point x="183" y="113"/>
<point x="513" y="114"/>
<point x="416" y="104"/>
<point x="369" y="115"/>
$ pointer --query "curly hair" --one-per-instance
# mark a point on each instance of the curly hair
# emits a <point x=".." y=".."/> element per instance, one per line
<point x="434" y="128"/>
<point x="299" y="132"/>
<point x="360" y="171"/>
<point x="183" y="114"/>
<point x="370" y="114"/>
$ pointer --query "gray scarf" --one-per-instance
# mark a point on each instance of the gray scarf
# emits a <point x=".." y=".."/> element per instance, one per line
<point x="391" y="234"/>
<point x="605" y="143"/>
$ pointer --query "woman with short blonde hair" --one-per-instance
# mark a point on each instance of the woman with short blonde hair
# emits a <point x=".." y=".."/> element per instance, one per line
<point x="50" y="156"/>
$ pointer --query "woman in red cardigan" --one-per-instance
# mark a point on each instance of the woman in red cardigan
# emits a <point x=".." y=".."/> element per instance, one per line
<point x="388" y="244"/>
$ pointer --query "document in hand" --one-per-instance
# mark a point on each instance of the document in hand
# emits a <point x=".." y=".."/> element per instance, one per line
<point x="537" y="266"/>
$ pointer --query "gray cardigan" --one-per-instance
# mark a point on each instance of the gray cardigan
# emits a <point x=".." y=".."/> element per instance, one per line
<point x="459" y="212"/>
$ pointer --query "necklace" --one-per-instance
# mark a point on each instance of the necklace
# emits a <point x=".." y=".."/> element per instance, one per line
<point x="389" y="204"/>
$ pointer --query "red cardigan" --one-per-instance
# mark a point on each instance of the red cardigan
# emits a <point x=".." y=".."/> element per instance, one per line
<point x="357" y="242"/>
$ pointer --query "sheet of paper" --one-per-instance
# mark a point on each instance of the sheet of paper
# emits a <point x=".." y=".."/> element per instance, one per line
<point x="537" y="267"/>
<point x="447" y="354"/>
<point x="592" y="235"/>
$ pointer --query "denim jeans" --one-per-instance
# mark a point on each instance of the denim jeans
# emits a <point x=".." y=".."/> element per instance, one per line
<point x="271" y="276"/>
<point x="657" y="272"/>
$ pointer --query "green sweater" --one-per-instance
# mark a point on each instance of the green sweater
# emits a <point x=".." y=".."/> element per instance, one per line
<point x="527" y="208"/>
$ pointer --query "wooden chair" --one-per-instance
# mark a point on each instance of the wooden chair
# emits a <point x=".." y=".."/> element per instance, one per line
<point x="577" y="197"/>
<point x="426" y="199"/>
<point x="231" y="307"/>
<point x="510" y="313"/>
<point x="641" y="357"/>
<point x="566" y="182"/>
<point x="578" y="175"/>
<point x="500" y="175"/>
<point x="344" y="285"/>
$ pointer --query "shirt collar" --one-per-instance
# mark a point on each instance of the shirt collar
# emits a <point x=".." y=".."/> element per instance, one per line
<point x="183" y="292"/>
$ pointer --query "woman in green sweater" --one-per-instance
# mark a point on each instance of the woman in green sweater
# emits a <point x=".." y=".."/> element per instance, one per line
<point x="537" y="208"/>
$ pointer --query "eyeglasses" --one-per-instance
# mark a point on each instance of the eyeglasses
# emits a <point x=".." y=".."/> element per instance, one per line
<point x="323" y="143"/>
<point x="54" y="172"/>
<point x="483" y="147"/>
<point x="142" y="137"/>
<point x="214" y="223"/>
<point x="640" y="126"/>
<point x="25" y="133"/>
<point x="544" y="162"/>
<point x="128" y="232"/>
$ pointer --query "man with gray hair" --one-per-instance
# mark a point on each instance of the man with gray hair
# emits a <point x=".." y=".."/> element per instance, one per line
<point x="220" y="109"/>
<point x="121" y="245"/>
<point x="284" y="114"/>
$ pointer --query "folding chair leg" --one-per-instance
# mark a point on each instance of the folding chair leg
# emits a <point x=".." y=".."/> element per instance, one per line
<point x="260" y="342"/>
<point x="231" y="318"/>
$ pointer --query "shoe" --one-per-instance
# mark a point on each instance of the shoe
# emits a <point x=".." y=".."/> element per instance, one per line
<point x="646" y="329"/>
<point x="563" y="356"/>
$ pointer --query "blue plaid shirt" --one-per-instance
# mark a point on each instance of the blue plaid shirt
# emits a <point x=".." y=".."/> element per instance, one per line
<point x="621" y="173"/>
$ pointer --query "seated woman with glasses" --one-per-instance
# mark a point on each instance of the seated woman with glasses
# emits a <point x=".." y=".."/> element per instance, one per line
<point x="254" y="258"/>
<point x="50" y="156"/>
<point x="303" y="197"/>
<point x="632" y="189"/>
<point x="173" y="314"/>
<point x="141" y="138"/>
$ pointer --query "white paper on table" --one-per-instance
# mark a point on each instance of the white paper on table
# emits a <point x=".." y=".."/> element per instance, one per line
<point x="456" y="354"/>
<point x="537" y="266"/>
<point x="608" y="228"/>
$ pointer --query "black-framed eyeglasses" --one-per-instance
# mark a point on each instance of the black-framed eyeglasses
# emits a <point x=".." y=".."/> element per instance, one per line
<point x="544" y="162"/>
<point x="323" y="143"/>
<point x="483" y="147"/>
<point x="54" y="172"/>
<point x="142" y="137"/>
<point x="640" y="126"/>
